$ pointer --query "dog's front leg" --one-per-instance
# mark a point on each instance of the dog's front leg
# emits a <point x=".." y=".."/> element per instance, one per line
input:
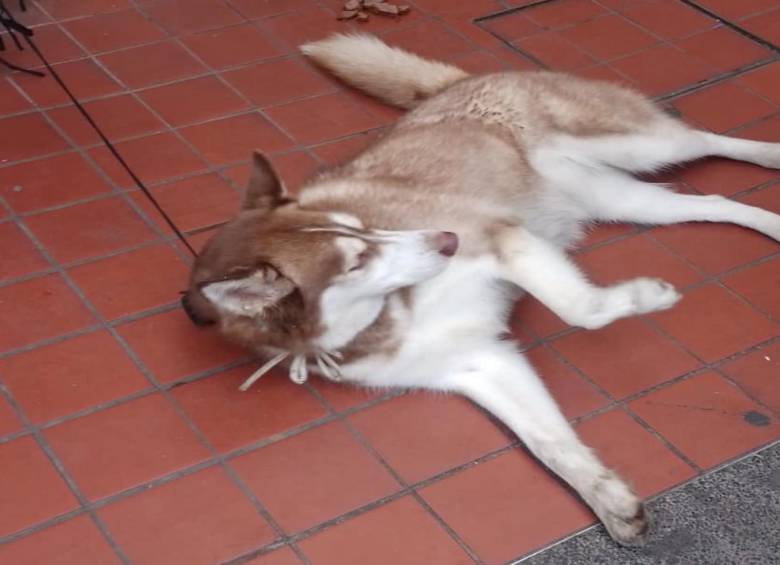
<point x="502" y="381"/>
<point x="542" y="269"/>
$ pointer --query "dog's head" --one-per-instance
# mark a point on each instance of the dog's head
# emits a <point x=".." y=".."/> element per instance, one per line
<point x="283" y="277"/>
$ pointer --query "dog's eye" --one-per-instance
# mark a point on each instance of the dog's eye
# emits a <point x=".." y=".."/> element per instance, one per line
<point x="360" y="261"/>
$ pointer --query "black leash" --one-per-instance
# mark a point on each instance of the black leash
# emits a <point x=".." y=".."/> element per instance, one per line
<point x="13" y="27"/>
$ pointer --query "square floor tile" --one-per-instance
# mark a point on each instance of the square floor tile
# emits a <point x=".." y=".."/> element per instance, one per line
<point x="575" y="396"/>
<point x="723" y="106"/>
<point x="133" y="281"/>
<point x="670" y="20"/>
<point x="254" y="9"/>
<point x="555" y="51"/>
<point x="200" y="518"/>
<point x="512" y="27"/>
<point x="114" y="30"/>
<point x="172" y="347"/>
<point x="764" y="25"/>
<point x="564" y="13"/>
<point x="764" y="81"/>
<point x="153" y="158"/>
<point x="322" y="118"/>
<point x="88" y="230"/>
<point x="230" y="418"/>
<point x="429" y="38"/>
<point x="708" y="419"/>
<point x="535" y="316"/>
<point x="632" y="257"/>
<point x="296" y="27"/>
<point x="760" y="285"/>
<point x="39" y="309"/>
<point x="60" y="10"/>
<point x="763" y="130"/>
<point x="421" y="435"/>
<point x="278" y="81"/>
<point x="724" y="49"/>
<point x="715" y="247"/>
<point x="757" y="373"/>
<point x="11" y="101"/>
<point x="31" y="489"/>
<point x="51" y="40"/>
<point x="608" y="37"/>
<point x="193" y="100"/>
<point x="49" y="182"/>
<point x="737" y="10"/>
<point x="506" y="507"/>
<point x="117" y="117"/>
<point x="416" y="537"/>
<point x="24" y="260"/>
<point x="84" y="79"/>
<point x="714" y="324"/>
<point x="233" y="139"/>
<point x="59" y="379"/>
<point x="121" y="447"/>
<point x="724" y="176"/>
<point x="184" y="16"/>
<point x="32" y="137"/>
<point x="9" y="423"/>
<point x="233" y="45"/>
<point x="75" y="542"/>
<point x="634" y="453"/>
<point x="325" y="466"/>
<point x="192" y="203"/>
<point x="152" y="64"/>
<point x="663" y="69"/>
<point x="625" y="357"/>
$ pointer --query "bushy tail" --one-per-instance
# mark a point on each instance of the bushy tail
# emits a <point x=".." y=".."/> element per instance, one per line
<point x="388" y="73"/>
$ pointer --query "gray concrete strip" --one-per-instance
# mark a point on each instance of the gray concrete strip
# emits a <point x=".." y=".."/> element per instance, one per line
<point x="728" y="516"/>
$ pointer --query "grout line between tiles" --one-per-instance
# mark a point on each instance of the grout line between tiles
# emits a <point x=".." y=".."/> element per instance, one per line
<point x="63" y="474"/>
<point x="543" y="341"/>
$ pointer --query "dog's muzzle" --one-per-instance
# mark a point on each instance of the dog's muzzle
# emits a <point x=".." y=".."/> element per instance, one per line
<point x="194" y="317"/>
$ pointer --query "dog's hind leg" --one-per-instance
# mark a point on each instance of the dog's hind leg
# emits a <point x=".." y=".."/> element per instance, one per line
<point x="655" y="148"/>
<point x="545" y="271"/>
<point x="503" y="382"/>
<point x="621" y="198"/>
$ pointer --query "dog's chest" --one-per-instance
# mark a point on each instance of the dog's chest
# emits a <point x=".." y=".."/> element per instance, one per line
<point x="453" y="312"/>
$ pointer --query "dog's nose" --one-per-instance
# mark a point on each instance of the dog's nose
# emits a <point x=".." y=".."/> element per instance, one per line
<point x="446" y="243"/>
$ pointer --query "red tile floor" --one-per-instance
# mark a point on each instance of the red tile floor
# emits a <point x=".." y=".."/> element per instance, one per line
<point x="122" y="434"/>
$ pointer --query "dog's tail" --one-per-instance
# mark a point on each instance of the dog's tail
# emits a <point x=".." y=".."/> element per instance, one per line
<point x="388" y="73"/>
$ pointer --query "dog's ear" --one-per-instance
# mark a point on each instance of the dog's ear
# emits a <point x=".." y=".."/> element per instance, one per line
<point x="249" y="294"/>
<point x="265" y="190"/>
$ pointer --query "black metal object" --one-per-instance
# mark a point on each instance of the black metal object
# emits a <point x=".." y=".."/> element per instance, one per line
<point x="14" y="28"/>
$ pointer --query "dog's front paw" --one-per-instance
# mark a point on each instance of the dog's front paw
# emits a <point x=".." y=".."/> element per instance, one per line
<point x="651" y="295"/>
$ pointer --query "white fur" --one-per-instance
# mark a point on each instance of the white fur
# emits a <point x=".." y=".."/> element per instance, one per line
<point x="449" y="339"/>
<point x="356" y="56"/>
<point x="345" y="220"/>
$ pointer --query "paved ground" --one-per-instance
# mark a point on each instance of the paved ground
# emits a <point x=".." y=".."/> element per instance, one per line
<point x="123" y="437"/>
<point x="731" y="515"/>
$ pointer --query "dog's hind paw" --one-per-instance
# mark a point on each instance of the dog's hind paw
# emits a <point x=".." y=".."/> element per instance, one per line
<point x="631" y="529"/>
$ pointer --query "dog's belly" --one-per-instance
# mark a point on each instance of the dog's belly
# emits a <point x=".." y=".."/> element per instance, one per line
<point x="456" y="312"/>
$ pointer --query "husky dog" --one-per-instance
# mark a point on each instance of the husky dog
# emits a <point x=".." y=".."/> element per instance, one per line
<point x="363" y="279"/>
